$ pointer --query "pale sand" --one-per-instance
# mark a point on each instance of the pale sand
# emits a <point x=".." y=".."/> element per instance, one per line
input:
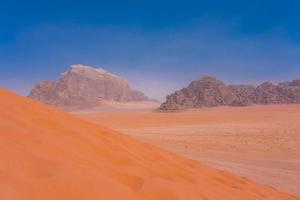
<point x="48" y="154"/>
<point x="259" y="142"/>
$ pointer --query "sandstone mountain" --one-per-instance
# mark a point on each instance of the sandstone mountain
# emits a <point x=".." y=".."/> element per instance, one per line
<point x="84" y="86"/>
<point x="209" y="92"/>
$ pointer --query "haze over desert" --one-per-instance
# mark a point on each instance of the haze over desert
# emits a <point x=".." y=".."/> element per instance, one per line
<point x="259" y="142"/>
<point x="208" y="152"/>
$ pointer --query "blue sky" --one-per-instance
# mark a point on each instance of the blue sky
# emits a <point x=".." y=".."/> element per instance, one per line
<point x="160" y="46"/>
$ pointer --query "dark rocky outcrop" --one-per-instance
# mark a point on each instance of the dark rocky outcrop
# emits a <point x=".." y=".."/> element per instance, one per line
<point x="268" y="93"/>
<point x="210" y="92"/>
<point x="243" y="95"/>
<point x="83" y="86"/>
<point x="206" y="92"/>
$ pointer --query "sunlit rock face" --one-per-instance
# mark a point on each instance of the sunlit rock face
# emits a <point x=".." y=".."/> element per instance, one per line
<point x="84" y="86"/>
<point x="209" y="92"/>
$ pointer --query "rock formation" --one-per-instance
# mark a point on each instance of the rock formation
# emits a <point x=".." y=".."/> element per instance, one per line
<point x="243" y="94"/>
<point x="83" y="86"/>
<point x="209" y="92"/>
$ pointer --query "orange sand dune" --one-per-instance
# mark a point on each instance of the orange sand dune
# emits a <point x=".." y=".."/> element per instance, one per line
<point x="48" y="154"/>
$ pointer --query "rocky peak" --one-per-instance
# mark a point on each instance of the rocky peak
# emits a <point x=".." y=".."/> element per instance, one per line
<point x="83" y="86"/>
<point x="89" y="72"/>
<point x="205" y="92"/>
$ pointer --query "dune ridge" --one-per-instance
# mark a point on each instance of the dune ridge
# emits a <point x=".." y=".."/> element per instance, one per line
<point x="49" y="154"/>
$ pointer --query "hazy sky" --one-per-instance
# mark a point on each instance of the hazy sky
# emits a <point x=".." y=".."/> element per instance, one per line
<point x="159" y="46"/>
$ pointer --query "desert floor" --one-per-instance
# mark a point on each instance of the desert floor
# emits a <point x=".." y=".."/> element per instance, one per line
<point x="49" y="154"/>
<point x="258" y="142"/>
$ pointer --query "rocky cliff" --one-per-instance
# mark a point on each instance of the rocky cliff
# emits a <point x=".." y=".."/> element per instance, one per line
<point x="209" y="92"/>
<point x="83" y="86"/>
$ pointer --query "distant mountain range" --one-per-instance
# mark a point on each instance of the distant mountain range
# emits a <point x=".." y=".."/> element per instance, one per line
<point x="210" y="92"/>
<point x="84" y="86"/>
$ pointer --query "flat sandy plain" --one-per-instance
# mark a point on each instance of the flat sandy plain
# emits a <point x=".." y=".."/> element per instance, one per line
<point x="258" y="142"/>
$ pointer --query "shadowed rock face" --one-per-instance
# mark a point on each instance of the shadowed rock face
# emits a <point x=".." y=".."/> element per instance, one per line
<point x="83" y="86"/>
<point x="209" y="92"/>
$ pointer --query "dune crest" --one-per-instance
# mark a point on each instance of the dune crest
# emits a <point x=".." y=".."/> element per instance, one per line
<point x="49" y="154"/>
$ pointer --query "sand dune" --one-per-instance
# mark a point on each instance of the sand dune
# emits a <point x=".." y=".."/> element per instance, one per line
<point x="49" y="154"/>
<point x="258" y="142"/>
